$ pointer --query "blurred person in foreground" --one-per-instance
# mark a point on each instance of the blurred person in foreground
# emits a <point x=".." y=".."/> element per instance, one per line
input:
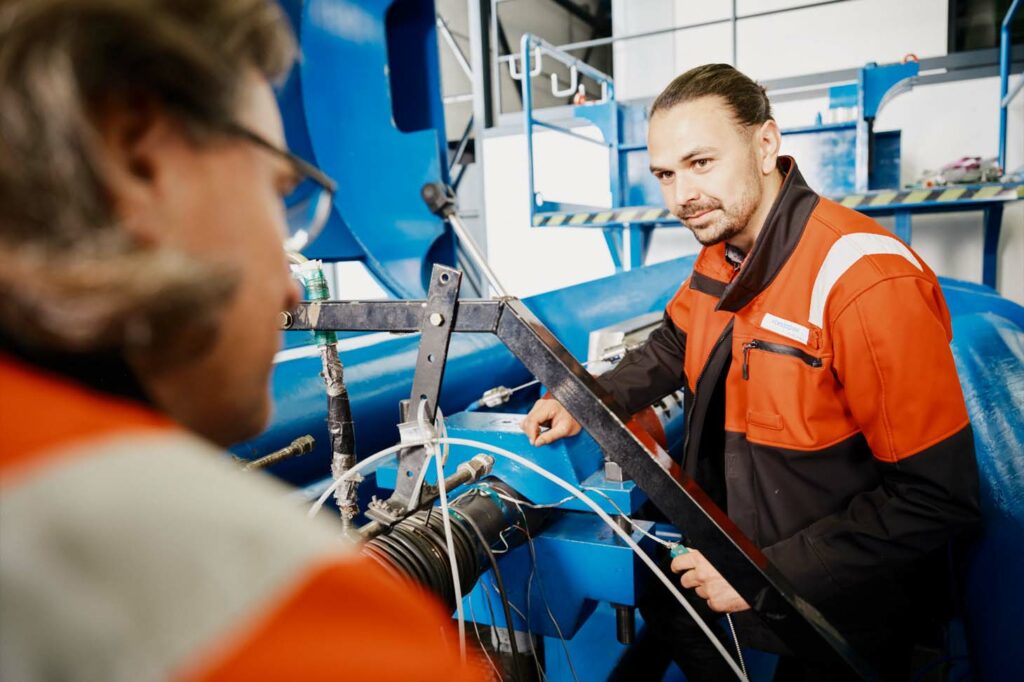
<point x="142" y="171"/>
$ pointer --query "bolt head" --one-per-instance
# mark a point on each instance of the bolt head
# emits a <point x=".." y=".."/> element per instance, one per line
<point x="286" y="319"/>
<point x="436" y="319"/>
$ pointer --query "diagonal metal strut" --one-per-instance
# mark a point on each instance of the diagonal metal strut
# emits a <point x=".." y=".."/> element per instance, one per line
<point x="684" y="503"/>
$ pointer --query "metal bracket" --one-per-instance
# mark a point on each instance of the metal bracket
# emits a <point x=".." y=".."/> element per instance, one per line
<point x="436" y="324"/>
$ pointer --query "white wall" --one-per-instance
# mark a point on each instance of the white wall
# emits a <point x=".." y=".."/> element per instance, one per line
<point x="939" y="123"/>
<point x="531" y="260"/>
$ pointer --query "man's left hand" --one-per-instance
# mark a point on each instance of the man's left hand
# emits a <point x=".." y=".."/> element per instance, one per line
<point x="710" y="585"/>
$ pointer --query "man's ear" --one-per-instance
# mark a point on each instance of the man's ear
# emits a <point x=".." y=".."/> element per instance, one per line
<point x="769" y="140"/>
<point x="138" y="145"/>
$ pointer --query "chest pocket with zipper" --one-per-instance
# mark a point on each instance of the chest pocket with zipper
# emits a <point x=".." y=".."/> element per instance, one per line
<point x="790" y="398"/>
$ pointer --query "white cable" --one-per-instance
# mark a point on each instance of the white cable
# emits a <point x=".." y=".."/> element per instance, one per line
<point x="569" y="488"/>
<point x="636" y="527"/>
<point x="414" y="499"/>
<point x="448" y="537"/>
<point x="352" y="473"/>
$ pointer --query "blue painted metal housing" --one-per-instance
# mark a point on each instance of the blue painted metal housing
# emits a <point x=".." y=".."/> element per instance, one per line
<point x="989" y="350"/>
<point x="364" y="104"/>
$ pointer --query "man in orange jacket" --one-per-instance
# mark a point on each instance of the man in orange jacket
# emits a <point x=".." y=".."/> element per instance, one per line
<point x="142" y="168"/>
<point x="824" y="410"/>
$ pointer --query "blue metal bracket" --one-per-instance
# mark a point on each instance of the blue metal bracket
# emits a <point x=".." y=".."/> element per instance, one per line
<point x="876" y="86"/>
<point x="628" y="244"/>
<point x="364" y="103"/>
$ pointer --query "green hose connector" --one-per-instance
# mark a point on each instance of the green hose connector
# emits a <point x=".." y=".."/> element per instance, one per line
<point x="312" y="273"/>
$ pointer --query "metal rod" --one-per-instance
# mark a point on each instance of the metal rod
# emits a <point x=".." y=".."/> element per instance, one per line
<point x="463" y="144"/>
<point x="446" y="33"/>
<point x="476" y="256"/>
<point x="457" y="180"/>
<point x="558" y="54"/>
<point x="734" y="23"/>
<point x="472" y="276"/>
<point x="467" y="472"/>
<point x="456" y="99"/>
<point x="298" y="447"/>
<point x="1013" y="92"/>
<point x="597" y="42"/>
<point x="526" y="97"/>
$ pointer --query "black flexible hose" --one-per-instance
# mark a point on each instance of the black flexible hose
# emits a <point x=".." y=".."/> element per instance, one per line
<point x="416" y="546"/>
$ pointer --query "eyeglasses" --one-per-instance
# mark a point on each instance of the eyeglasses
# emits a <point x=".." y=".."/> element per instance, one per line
<point x="308" y="206"/>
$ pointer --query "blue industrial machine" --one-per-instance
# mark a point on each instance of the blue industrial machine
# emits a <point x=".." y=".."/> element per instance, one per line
<point x="365" y="105"/>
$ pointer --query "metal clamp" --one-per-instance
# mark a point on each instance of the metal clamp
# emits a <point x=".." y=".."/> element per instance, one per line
<point x="436" y="323"/>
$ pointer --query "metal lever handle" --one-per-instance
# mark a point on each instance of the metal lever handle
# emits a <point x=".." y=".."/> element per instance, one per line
<point x="440" y="199"/>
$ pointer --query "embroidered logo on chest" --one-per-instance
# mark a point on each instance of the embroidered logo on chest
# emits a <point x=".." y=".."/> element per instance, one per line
<point x="791" y="330"/>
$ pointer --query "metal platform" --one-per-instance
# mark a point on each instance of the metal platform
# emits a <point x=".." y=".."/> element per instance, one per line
<point x="990" y="198"/>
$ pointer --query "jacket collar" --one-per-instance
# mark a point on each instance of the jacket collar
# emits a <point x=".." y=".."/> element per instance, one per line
<point x="783" y="228"/>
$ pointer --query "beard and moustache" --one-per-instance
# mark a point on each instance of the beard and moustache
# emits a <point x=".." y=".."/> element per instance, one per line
<point x="732" y="219"/>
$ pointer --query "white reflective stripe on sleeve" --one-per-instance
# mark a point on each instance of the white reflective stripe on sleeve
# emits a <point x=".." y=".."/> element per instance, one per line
<point x="847" y="250"/>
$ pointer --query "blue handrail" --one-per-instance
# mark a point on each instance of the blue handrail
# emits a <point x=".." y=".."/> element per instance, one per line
<point x="532" y="49"/>
<point x="1004" y="78"/>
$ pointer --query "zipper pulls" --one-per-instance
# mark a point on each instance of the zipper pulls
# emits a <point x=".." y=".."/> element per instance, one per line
<point x="747" y="347"/>
<point x="778" y="348"/>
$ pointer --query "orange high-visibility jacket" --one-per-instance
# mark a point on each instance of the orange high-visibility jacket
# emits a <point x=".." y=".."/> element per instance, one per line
<point x="132" y="550"/>
<point x="823" y="405"/>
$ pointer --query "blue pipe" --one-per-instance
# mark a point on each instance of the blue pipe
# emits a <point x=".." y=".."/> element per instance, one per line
<point x="1004" y="77"/>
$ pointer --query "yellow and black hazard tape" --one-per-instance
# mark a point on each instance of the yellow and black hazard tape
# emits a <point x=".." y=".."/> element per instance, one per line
<point x="1008" y="191"/>
<point x="611" y="216"/>
<point x="935" y="195"/>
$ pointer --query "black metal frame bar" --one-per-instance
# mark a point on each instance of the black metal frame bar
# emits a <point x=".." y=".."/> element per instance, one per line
<point x="436" y="324"/>
<point x="683" y="502"/>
